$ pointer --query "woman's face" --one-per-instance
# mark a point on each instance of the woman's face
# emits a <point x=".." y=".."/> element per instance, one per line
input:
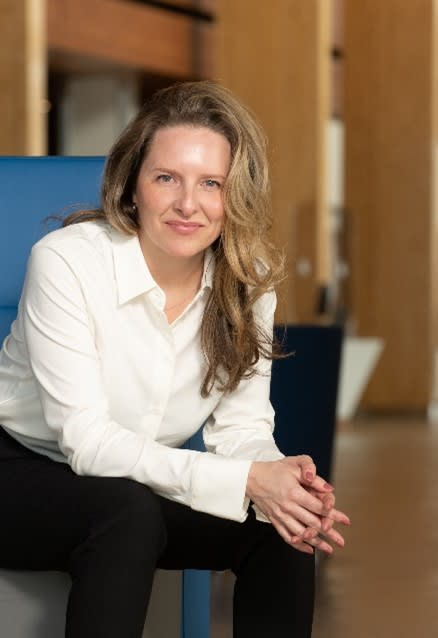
<point x="179" y="191"/>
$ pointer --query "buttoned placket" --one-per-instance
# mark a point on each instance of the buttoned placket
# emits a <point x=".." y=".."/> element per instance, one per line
<point x="156" y="298"/>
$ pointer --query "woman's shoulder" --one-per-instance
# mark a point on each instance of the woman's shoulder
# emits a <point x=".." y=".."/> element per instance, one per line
<point x="84" y="245"/>
<point x="87" y="231"/>
<point x="76" y="238"/>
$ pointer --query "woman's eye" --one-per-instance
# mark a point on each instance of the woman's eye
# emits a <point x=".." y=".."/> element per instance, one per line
<point x="212" y="183"/>
<point x="164" y="178"/>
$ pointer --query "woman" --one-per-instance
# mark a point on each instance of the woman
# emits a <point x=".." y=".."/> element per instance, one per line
<point x="137" y="323"/>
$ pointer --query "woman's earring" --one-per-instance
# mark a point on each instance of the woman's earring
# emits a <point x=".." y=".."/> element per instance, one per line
<point x="134" y="209"/>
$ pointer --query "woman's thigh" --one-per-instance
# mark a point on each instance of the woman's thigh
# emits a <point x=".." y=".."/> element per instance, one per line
<point x="47" y="511"/>
<point x="274" y="590"/>
<point x="196" y="540"/>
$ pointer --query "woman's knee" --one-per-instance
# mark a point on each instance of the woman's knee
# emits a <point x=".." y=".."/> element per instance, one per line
<point x="130" y="509"/>
<point x="265" y="547"/>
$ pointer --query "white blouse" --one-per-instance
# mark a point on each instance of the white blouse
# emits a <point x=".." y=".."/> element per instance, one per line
<point x="93" y="374"/>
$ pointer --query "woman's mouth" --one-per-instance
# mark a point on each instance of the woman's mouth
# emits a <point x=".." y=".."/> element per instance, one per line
<point x="184" y="228"/>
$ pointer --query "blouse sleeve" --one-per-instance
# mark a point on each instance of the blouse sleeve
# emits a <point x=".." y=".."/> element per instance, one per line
<point x="241" y="427"/>
<point x="65" y="362"/>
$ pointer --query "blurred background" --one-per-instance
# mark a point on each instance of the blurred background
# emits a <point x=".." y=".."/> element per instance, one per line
<point x="347" y="93"/>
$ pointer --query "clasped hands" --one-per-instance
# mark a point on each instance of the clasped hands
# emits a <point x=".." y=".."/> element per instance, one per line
<point x="299" y="504"/>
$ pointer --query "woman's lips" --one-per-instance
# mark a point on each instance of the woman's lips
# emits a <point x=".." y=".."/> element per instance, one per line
<point x="184" y="228"/>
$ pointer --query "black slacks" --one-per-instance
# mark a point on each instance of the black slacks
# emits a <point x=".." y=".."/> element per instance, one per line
<point x="111" y="533"/>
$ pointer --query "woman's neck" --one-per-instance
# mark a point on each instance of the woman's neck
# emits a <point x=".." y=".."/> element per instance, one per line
<point x="172" y="273"/>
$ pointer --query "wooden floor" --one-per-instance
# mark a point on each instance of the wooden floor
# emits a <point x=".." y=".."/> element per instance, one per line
<point x="384" y="583"/>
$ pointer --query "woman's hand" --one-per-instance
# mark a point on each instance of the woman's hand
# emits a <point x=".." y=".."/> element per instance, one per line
<point x="321" y="538"/>
<point x="318" y="487"/>
<point x="299" y="504"/>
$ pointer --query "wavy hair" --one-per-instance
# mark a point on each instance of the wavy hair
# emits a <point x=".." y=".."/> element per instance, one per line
<point x="247" y="263"/>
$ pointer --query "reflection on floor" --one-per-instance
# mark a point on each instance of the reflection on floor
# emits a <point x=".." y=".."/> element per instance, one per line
<point x="384" y="584"/>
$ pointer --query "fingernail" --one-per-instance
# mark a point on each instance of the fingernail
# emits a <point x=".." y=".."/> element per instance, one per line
<point x="309" y="476"/>
<point x="327" y="486"/>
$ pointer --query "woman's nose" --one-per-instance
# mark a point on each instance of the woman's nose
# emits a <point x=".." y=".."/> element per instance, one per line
<point x="186" y="202"/>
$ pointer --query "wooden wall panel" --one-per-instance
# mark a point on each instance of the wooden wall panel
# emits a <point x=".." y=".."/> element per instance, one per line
<point x="337" y="55"/>
<point x="22" y="77"/>
<point x="433" y="278"/>
<point x="389" y="190"/>
<point x="275" y="57"/>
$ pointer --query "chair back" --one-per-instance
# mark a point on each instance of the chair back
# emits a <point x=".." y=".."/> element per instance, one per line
<point x="32" y="190"/>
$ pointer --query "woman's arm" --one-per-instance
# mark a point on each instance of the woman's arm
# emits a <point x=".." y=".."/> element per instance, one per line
<point x="242" y="424"/>
<point x="68" y="371"/>
<point x="285" y="491"/>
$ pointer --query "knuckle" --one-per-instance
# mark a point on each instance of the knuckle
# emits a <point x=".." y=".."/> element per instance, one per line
<point x="317" y="524"/>
<point x="276" y="512"/>
<point x="294" y="493"/>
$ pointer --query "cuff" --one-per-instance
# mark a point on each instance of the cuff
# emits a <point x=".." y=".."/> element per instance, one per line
<point x="219" y="486"/>
<point x="259" y="515"/>
<point x="264" y="450"/>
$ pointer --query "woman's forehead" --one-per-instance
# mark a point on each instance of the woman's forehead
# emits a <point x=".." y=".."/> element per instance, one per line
<point x="190" y="143"/>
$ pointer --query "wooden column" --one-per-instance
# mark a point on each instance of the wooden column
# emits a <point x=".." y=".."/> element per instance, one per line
<point x="275" y="57"/>
<point x="390" y="162"/>
<point x="23" y="67"/>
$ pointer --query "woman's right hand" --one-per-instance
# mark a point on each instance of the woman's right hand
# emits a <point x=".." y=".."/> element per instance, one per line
<point x="299" y="504"/>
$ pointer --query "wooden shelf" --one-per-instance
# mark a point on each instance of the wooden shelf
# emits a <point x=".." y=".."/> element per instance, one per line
<point x="87" y="34"/>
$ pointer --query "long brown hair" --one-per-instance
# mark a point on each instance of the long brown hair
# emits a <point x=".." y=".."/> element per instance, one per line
<point x="247" y="264"/>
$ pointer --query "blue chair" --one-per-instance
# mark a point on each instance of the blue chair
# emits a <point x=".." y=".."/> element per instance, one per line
<point x="32" y="605"/>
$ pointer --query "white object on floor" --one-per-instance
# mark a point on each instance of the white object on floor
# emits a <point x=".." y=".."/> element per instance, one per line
<point x="358" y="360"/>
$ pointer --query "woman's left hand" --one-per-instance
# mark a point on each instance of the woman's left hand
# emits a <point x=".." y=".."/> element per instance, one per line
<point x="317" y="486"/>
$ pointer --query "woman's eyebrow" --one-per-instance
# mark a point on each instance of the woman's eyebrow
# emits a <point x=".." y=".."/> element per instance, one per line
<point x="162" y="169"/>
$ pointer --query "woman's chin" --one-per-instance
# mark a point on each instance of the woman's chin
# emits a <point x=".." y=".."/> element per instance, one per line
<point x="184" y="252"/>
